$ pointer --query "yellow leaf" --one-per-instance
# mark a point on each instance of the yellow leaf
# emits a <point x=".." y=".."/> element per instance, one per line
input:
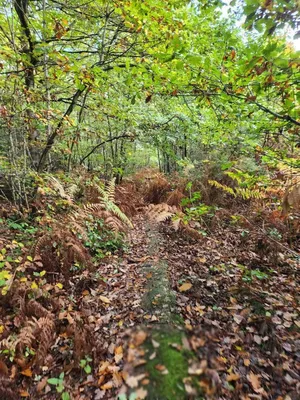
<point x="185" y="287"/>
<point x="107" y="385"/>
<point x="59" y="285"/>
<point x="233" y="377"/>
<point x="27" y="372"/>
<point x="104" y="299"/>
<point x="119" y="350"/>
<point x="24" y="393"/>
<point x="1" y="328"/>
<point x="34" y="285"/>
<point x="42" y="273"/>
<point x="5" y="275"/>
<point x="118" y="354"/>
<point x="1" y="257"/>
<point x="23" y="279"/>
<point x="29" y="258"/>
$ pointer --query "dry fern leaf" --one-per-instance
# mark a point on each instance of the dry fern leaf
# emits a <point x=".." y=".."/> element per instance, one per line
<point x="46" y="333"/>
<point x="191" y="232"/>
<point x="176" y="224"/>
<point x="26" y="337"/>
<point x="77" y="228"/>
<point x="35" y="309"/>
<point x="58" y="187"/>
<point x="8" y="389"/>
<point x="175" y="197"/>
<point x="161" y="212"/>
<point x="291" y="199"/>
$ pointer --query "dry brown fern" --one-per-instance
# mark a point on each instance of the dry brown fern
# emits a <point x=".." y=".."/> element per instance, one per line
<point x="156" y="189"/>
<point x="45" y="334"/>
<point x="175" y="197"/>
<point x="128" y="199"/>
<point x="115" y="220"/>
<point x="83" y="341"/>
<point x="8" y="389"/>
<point x="163" y="212"/>
<point x="35" y="309"/>
<point x="26" y="337"/>
<point x="60" y="249"/>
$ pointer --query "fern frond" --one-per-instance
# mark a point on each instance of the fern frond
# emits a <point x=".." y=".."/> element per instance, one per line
<point x="245" y="193"/>
<point x="161" y="212"/>
<point x="111" y="190"/>
<point x="223" y="187"/>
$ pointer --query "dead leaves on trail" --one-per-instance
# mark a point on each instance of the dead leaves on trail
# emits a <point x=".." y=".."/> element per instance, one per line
<point x="240" y="314"/>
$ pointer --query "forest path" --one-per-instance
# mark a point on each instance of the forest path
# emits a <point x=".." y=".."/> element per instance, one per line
<point x="166" y="349"/>
<point x="206" y="323"/>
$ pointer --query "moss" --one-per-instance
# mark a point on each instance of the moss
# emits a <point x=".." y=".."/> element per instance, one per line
<point x="167" y="386"/>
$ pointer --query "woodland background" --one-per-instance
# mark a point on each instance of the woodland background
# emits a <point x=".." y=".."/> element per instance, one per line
<point x="117" y="113"/>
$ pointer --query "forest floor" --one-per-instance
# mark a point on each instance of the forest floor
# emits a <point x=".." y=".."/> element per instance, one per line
<point x="169" y="318"/>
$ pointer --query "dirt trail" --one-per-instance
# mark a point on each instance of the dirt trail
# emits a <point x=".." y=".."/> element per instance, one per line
<point x="226" y="336"/>
<point x="166" y="357"/>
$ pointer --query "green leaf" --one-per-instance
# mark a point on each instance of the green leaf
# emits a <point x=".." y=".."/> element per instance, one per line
<point x="53" y="381"/>
<point x="88" y="369"/>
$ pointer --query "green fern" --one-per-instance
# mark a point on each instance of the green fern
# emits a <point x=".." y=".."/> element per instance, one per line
<point x="107" y="201"/>
<point x="245" y="193"/>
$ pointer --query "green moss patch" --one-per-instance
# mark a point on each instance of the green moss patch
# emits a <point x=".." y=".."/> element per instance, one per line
<point x="169" y="366"/>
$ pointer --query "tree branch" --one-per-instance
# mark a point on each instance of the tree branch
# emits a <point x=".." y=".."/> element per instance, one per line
<point x="102" y="143"/>
<point x="51" y="139"/>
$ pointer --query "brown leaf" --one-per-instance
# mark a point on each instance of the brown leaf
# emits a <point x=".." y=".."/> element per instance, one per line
<point x="24" y="393"/>
<point x="254" y="380"/>
<point x="132" y="381"/>
<point x="141" y="393"/>
<point x="3" y="368"/>
<point x="42" y="384"/>
<point x="108" y="385"/>
<point x="117" y="378"/>
<point x="118" y="354"/>
<point x="238" y="318"/>
<point x="139" y="338"/>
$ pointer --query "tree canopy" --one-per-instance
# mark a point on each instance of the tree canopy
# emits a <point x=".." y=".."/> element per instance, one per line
<point x="93" y="82"/>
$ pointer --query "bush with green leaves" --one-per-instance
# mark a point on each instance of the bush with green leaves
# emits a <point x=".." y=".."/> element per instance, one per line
<point x="60" y="386"/>
<point x="102" y="241"/>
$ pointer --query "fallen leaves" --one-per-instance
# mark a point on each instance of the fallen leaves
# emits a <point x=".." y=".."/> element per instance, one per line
<point x="232" y="377"/>
<point x="118" y="354"/>
<point x="139" y="337"/>
<point x="185" y="287"/>
<point x="255" y="381"/>
<point x="104" y="299"/>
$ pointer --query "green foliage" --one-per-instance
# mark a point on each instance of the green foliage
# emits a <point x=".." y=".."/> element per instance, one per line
<point x="59" y="386"/>
<point x="107" y="200"/>
<point x="195" y="210"/>
<point x="101" y="240"/>
<point x="21" y="226"/>
<point x="85" y="364"/>
<point x="248" y="184"/>
<point x="250" y="275"/>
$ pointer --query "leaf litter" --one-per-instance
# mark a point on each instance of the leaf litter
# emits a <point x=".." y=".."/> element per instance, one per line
<point x="243" y="334"/>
